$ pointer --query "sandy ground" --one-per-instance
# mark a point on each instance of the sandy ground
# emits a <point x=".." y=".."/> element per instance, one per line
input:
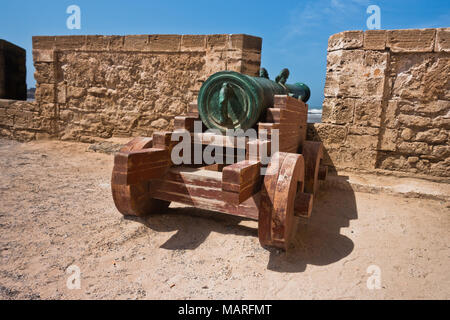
<point x="56" y="211"/>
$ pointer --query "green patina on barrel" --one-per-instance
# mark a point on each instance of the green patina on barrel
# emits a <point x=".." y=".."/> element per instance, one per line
<point x="231" y="100"/>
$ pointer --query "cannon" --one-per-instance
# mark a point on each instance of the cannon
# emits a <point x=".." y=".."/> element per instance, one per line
<point x="277" y="191"/>
<point x="232" y="100"/>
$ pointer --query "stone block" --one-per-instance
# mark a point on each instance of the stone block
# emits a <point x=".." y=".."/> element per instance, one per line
<point x="411" y="40"/>
<point x="346" y="40"/>
<point x="193" y="42"/>
<point x="362" y="137"/>
<point x="44" y="56"/>
<point x="246" y="42"/>
<point x="115" y="43"/>
<point x="165" y="42"/>
<point x="375" y="40"/>
<point x="330" y="134"/>
<point x="409" y="120"/>
<point x="43" y="42"/>
<point x="388" y="140"/>
<point x="135" y="43"/>
<point x="44" y="72"/>
<point x="442" y="40"/>
<point x="423" y="77"/>
<point x="414" y="148"/>
<point x="368" y="112"/>
<point x="338" y="110"/>
<point x="356" y="74"/>
<point x="70" y="42"/>
<point x="97" y="42"/>
<point x="45" y="93"/>
<point x="218" y="41"/>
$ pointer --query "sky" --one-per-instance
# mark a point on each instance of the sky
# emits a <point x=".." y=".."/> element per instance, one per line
<point x="295" y="33"/>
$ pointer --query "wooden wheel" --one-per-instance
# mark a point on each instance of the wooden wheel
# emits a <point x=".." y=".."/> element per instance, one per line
<point x="134" y="200"/>
<point x="312" y="152"/>
<point x="282" y="183"/>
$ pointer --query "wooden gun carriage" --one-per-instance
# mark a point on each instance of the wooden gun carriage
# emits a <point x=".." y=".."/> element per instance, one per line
<point x="145" y="180"/>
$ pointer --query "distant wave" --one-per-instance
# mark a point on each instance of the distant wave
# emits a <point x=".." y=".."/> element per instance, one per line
<point x="315" y="115"/>
<point x="315" y="111"/>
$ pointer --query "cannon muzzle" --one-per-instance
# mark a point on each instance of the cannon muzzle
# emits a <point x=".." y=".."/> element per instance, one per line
<point x="232" y="100"/>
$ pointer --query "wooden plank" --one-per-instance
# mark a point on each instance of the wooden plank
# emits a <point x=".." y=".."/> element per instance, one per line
<point x="194" y="176"/>
<point x="289" y="103"/>
<point x="323" y="172"/>
<point x="219" y="140"/>
<point x="303" y="205"/>
<point x="185" y="122"/>
<point x="312" y="152"/>
<point x="241" y="180"/>
<point x="291" y="172"/>
<point x="201" y="189"/>
<point x="255" y="147"/>
<point x="267" y="198"/>
<point x="193" y="110"/>
<point x="139" y="166"/>
<point x="162" y="139"/>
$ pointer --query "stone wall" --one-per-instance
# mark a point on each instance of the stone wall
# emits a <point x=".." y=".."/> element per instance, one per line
<point x="12" y="71"/>
<point x="387" y="101"/>
<point x="90" y="88"/>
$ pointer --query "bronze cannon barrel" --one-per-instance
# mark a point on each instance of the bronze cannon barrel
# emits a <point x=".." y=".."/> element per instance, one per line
<point x="232" y="100"/>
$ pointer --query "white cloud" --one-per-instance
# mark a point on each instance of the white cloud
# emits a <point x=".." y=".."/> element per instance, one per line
<point x="313" y="14"/>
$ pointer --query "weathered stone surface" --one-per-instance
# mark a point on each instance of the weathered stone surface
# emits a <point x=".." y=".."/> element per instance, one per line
<point x="46" y="93"/>
<point x="97" y="42"/>
<point x="388" y="140"/>
<point x="433" y="136"/>
<point x="338" y="111"/>
<point x="375" y="40"/>
<point x="44" y="72"/>
<point x="442" y="40"/>
<point x="368" y="112"/>
<point x="193" y="42"/>
<point x="165" y="42"/>
<point x="346" y="40"/>
<point x="421" y="76"/>
<point x="362" y="137"/>
<point x="91" y="87"/>
<point x="135" y="42"/>
<point x="356" y="73"/>
<point x="246" y="42"/>
<point x="43" y="42"/>
<point x="413" y="40"/>
<point x="329" y="134"/>
<point x="399" y="89"/>
<point x="414" y="148"/>
<point x="70" y="42"/>
<point x="43" y="55"/>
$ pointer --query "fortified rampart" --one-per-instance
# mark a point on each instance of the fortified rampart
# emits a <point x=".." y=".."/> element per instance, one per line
<point x="95" y="87"/>
<point x="386" y="107"/>
<point x="387" y="101"/>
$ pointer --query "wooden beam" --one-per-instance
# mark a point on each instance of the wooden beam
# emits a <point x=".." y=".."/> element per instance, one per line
<point x="241" y="180"/>
<point x="132" y="167"/>
<point x="201" y="189"/>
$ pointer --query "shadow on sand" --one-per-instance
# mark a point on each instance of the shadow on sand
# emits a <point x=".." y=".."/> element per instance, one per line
<point x="318" y="240"/>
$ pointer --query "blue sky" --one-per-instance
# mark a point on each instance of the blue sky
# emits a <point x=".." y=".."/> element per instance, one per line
<point x="294" y="33"/>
